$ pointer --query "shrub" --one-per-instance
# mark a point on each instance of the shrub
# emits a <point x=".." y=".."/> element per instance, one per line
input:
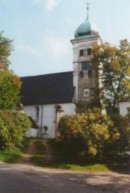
<point x="12" y="129"/>
<point x="116" y="149"/>
<point x="84" y="136"/>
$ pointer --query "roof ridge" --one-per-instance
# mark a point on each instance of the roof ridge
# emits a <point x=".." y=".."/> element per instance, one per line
<point x="50" y="74"/>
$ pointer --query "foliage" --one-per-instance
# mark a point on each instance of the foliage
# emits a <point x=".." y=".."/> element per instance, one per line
<point x="12" y="123"/>
<point x="85" y="135"/>
<point x="9" y="90"/>
<point x="12" y="128"/>
<point x="113" y="64"/>
<point x="5" y="50"/>
<point x="117" y="150"/>
<point x="10" y="84"/>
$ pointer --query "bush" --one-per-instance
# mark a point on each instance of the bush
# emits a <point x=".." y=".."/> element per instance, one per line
<point x="117" y="149"/>
<point x="83" y="137"/>
<point x="12" y="128"/>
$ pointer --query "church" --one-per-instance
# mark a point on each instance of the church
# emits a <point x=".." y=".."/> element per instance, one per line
<point x="48" y="97"/>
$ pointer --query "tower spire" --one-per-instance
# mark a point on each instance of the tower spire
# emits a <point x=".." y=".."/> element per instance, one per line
<point x="87" y="11"/>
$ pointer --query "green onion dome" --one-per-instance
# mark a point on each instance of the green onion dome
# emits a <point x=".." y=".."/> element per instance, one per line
<point x="86" y="28"/>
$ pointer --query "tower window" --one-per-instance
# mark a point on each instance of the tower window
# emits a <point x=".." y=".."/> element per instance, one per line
<point x="85" y="65"/>
<point x="89" y="51"/>
<point x="81" y="74"/>
<point x="83" y="53"/>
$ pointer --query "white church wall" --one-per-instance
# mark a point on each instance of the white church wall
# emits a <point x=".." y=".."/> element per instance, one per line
<point x="47" y="118"/>
<point x="48" y="121"/>
<point x="31" y="133"/>
<point x="68" y="108"/>
<point x="123" y="107"/>
<point x="30" y="110"/>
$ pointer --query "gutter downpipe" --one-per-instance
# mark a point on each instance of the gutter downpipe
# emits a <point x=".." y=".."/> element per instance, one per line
<point x="41" y="121"/>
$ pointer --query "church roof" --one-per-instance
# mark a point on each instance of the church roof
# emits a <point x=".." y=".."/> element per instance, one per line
<point x="47" y="89"/>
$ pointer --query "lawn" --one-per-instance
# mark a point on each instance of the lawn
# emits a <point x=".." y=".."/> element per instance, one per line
<point x="11" y="156"/>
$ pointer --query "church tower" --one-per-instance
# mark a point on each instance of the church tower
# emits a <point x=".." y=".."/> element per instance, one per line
<point x="85" y="79"/>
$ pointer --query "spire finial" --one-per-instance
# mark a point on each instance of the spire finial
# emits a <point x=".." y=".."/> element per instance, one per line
<point x="87" y="11"/>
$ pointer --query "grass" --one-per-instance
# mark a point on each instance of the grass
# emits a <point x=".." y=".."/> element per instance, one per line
<point x="11" y="156"/>
<point x="74" y="167"/>
<point x="14" y="155"/>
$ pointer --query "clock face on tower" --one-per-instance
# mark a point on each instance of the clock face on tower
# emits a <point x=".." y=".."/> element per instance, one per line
<point x="86" y="92"/>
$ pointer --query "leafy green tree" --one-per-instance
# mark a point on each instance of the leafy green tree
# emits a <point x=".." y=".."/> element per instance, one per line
<point x="5" y="50"/>
<point x="10" y="85"/>
<point x="12" y="123"/>
<point x="114" y="66"/>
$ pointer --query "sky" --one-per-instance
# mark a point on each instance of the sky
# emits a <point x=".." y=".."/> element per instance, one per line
<point x="41" y="30"/>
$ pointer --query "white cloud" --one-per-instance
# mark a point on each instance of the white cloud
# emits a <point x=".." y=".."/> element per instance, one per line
<point x="27" y="48"/>
<point x="51" y="4"/>
<point x="58" y="47"/>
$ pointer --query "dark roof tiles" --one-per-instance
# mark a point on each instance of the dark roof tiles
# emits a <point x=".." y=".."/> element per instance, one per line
<point x="47" y="89"/>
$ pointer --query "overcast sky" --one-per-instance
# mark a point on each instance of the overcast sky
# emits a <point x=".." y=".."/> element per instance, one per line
<point x="41" y="30"/>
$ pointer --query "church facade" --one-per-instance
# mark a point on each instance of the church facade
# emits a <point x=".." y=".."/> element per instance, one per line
<point x="45" y="99"/>
<point x="48" y="97"/>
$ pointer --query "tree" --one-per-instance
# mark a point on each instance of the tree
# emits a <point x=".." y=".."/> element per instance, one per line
<point x="114" y="64"/>
<point x="12" y="123"/>
<point x="5" y="51"/>
<point x="10" y="85"/>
